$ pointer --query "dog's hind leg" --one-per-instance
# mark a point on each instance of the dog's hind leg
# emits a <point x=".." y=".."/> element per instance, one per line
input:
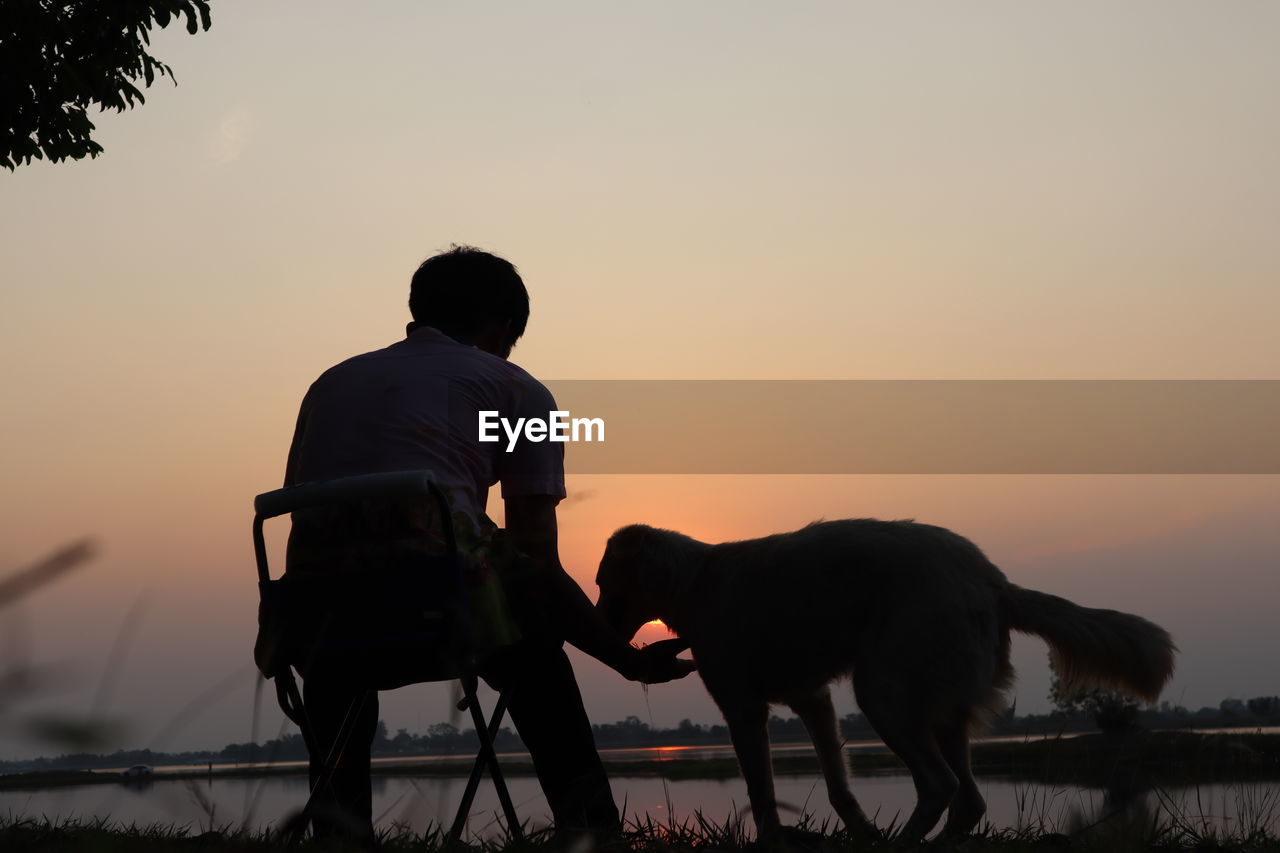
<point x="819" y="717"/>
<point x="967" y="807"/>
<point x="900" y="726"/>
<point x="748" y="720"/>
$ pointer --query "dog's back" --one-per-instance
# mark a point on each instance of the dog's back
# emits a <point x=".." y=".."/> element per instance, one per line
<point x="798" y="609"/>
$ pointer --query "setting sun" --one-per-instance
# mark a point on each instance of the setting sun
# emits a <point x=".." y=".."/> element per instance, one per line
<point x="652" y="632"/>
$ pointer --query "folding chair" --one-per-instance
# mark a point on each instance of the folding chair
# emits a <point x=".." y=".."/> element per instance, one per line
<point x="359" y="621"/>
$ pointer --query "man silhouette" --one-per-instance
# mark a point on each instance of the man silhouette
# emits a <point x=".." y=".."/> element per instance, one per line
<point x="414" y="405"/>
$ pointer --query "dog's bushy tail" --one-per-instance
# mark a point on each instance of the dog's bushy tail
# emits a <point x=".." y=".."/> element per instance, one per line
<point x="1092" y="648"/>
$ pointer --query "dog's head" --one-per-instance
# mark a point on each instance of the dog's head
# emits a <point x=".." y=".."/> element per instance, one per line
<point x="632" y="579"/>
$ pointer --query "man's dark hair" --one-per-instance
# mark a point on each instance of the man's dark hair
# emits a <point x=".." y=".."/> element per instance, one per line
<point x="460" y="290"/>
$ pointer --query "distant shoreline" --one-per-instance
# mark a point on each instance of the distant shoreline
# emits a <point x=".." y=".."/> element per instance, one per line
<point x="1087" y="760"/>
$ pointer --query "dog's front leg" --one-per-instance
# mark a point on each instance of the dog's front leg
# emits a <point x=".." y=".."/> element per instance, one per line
<point x="748" y="720"/>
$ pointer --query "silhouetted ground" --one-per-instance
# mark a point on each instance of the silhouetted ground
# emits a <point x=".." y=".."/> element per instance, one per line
<point x="26" y="836"/>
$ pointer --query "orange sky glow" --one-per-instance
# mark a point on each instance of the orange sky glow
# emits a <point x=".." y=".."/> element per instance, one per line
<point x="714" y="191"/>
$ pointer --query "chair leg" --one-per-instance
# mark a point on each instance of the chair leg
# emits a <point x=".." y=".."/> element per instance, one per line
<point x="335" y="753"/>
<point x="485" y="757"/>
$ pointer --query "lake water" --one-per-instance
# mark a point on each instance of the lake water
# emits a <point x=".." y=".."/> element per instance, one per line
<point x="419" y="802"/>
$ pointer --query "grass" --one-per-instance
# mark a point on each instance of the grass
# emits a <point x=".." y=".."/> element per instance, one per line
<point x="1161" y="822"/>
<point x="695" y="835"/>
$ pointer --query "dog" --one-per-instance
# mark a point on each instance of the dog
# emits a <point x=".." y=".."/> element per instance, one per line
<point x="916" y="614"/>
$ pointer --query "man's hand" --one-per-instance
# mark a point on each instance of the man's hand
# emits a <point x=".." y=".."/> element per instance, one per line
<point x="657" y="662"/>
<point x="531" y="523"/>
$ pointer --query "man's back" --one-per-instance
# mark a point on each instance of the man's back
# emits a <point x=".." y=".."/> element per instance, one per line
<point x="415" y="405"/>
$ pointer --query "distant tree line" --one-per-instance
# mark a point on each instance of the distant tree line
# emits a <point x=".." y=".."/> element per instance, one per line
<point x="446" y="739"/>
<point x="1110" y="711"/>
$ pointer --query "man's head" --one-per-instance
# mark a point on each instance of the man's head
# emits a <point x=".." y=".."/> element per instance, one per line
<point x="472" y="296"/>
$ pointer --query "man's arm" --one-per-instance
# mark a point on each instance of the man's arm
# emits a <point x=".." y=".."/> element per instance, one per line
<point x="531" y="524"/>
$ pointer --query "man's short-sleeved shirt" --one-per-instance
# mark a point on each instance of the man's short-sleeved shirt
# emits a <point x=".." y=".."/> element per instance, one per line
<point x="415" y="405"/>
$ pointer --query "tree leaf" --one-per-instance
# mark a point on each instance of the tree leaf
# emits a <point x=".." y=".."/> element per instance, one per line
<point x="58" y="59"/>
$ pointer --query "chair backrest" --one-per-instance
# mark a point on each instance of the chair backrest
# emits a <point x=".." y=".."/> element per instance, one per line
<point x="303" y="495"/>
<point x="398" y="622"/>
<point x="390" y="485"/>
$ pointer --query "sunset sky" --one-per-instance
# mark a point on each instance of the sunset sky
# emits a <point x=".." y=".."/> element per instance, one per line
<point x="987" y="190"/>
